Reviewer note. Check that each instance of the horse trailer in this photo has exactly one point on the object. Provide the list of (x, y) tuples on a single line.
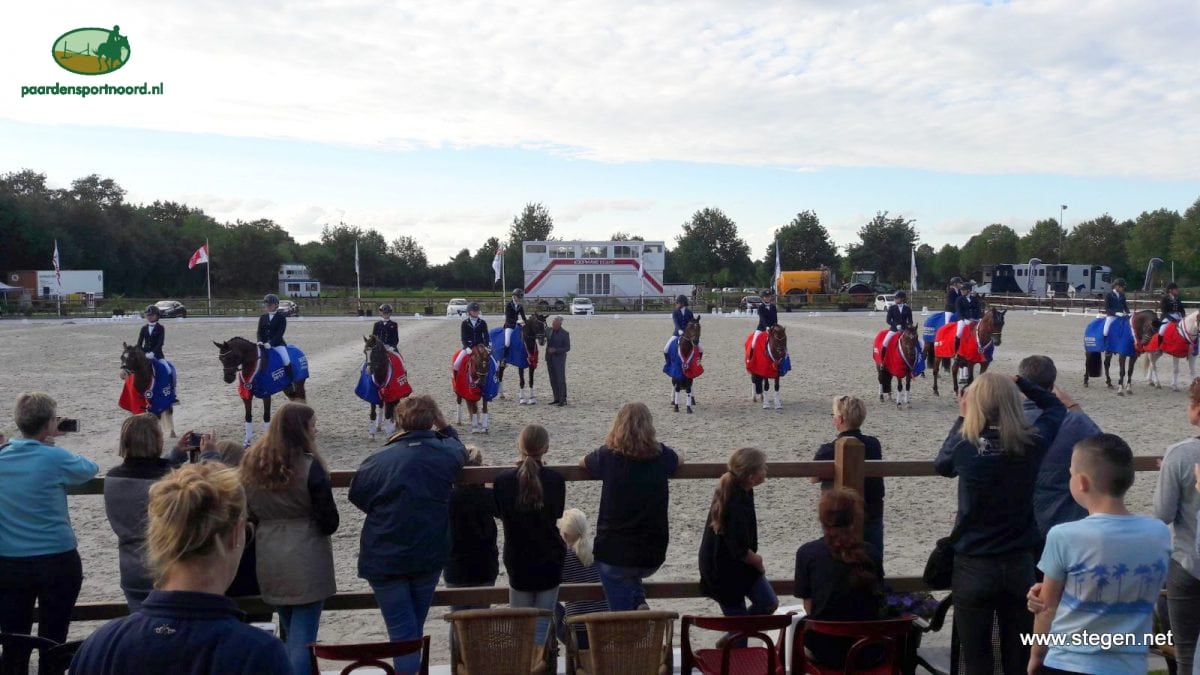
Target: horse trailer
[(1040, 280), (622, 269)]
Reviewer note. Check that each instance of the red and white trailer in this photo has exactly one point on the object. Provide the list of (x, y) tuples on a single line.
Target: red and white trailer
[(555, 269)]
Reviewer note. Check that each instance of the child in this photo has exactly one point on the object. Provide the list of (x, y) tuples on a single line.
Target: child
[(578, 568), (1085, 563), (529, 501), (385, 330), (512, 311), (473, 552), (271, 327), (151, 338), (680, 317), (899, 317), (731, 569), (474, 329)]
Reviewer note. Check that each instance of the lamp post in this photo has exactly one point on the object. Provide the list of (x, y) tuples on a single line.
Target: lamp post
[(1031, 264), (1062, 239)]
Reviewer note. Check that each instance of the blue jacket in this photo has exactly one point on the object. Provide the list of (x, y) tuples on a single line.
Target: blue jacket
[(152, 343), (1052, 500), (33, 497), (681, 317), (404, 490), (182, 633), (768, 315), (272, 328), (1114, 302)]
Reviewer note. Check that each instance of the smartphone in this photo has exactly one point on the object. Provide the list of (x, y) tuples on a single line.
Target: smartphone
[(194, 440), (68, 425)]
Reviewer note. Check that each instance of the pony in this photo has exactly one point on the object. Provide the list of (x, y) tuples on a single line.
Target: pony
[(109, 53), (1127, 338), (242, 361), (767, 359), (975, 348), (521, 353), (900, 360), (382, 383), (474, 381), (1178, 341), (683, 363), (149, 387)]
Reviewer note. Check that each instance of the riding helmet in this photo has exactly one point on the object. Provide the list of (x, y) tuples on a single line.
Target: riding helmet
[(768, 292), (1172, 286), (152, 309), (1118, 282), (955, 280), (901, 294), (385, 308), (681, 300), (518, 293), (270, 299), (473, 307)]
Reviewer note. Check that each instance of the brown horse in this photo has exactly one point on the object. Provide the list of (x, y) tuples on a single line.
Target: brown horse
[(134, 363), (986, 333), (240, 359), (469, 383), (533, 334), (378, 362), (904, 349), (687, 345), (776, 351), (1144, 325)]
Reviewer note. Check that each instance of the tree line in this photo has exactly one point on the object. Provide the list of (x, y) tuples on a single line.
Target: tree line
[(142, 248)]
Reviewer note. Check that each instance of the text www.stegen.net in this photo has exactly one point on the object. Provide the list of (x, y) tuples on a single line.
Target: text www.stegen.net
[(144, 89), (1101, 640)]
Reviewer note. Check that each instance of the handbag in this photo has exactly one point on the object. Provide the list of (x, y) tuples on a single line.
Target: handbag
[(939, 569)]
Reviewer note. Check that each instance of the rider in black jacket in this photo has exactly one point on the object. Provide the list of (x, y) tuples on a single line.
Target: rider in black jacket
[(899, 317), (385, 330), (952, 296), (474, 328), (1114, 303), (1172, 307)]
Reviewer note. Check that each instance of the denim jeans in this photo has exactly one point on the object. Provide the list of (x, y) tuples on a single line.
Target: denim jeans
[(1183, 605), (623, 585), (984, 587), (455, 608), (404, 603), (762, 601), (299, 624), (540, 599), (50, 581)]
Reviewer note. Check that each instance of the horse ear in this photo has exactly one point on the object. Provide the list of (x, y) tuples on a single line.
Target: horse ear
[(365, 339), (219, 345), (124, 344)]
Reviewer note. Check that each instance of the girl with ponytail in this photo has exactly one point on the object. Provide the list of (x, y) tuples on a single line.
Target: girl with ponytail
[(529, 499), (731, 570), (839, 577)]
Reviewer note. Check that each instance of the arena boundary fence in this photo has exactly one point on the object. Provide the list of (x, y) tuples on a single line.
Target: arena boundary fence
[(848, 469)]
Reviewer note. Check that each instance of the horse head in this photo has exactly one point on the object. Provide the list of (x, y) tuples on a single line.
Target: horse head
[(777, 341), (1191, 325), (235, 354), (479, 362), (535, 328), (133, 361), (1145, 326), (991, 326), (692, 330), (907, 340), (376, 357)]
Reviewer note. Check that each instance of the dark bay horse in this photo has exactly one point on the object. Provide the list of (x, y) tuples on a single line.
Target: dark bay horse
[(685, 363), (897, 361), (1143, 326), (135, 364), (764, 363), (240, 359), (470, 383), (533, 335), (971, 351), (378, 361)]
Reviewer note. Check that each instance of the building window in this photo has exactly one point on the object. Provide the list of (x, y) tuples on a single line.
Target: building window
[(562, 252), (625, 251), (314, 288), (293, 288), (1085, 272), (594, 284), (595, 251), (535, 248), (652, 248)]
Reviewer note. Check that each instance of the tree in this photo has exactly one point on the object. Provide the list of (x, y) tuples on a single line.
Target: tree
[(1043, 241), (926, 279), (709, 245), (884, 246), (621, 235), (102, 191), (1185, 244), (409, 260), (533, 224), (1100, 241), (945, 266), (1149, 238), (804, 244), (996, 243), (249, 258)]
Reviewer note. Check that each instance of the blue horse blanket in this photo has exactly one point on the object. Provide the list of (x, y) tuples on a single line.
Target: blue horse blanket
[(935, 321), (1120, 337), (157, 399), (273, 378), (515, 355), (676, 368)]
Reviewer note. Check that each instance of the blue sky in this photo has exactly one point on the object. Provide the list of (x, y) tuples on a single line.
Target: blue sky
[(440, 120)]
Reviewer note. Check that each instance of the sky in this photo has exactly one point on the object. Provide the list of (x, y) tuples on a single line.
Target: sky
[(441, 120)]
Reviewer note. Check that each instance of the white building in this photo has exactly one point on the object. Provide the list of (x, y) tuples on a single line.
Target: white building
[(554, 269), (295, 281), (45, 283)]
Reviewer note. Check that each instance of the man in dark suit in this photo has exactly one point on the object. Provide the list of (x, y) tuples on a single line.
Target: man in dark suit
[(271, 327), (558, 343)]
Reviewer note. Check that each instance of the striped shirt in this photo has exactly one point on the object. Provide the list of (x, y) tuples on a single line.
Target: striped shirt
[(574, 572)]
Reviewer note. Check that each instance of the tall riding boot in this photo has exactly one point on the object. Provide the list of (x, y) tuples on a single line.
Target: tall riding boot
[(290, 373)]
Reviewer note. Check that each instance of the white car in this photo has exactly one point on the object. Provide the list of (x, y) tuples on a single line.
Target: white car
[(456, 307), (883, 302), (582, 306)]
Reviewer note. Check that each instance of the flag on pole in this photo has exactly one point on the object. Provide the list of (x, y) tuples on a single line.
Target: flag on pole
[(912, 273), (356, 257), (57, 270), (778, 267), (200, 257), (498, 261)]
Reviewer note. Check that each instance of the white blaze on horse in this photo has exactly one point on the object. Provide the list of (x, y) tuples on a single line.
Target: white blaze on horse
[(521, 353), (1178, 341), (473, 379), (683, 355), (901, 359), (260, 373), (149, 387), (767, 359), (383, 382), (973, 349)]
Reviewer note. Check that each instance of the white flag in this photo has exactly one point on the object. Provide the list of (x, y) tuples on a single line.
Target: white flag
[(200, 257), (356, 258), (912, 273), (498, 261), (57, 270), (778, 267)]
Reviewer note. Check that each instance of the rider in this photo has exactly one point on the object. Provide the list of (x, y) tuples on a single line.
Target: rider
[(385, 330), (271, 327), (151, 337), (512, 310), (1114, 302), (681, 316), (1172, 307), (952, 296), (768, 314), (474, 332), (899, 317), (968, 309)]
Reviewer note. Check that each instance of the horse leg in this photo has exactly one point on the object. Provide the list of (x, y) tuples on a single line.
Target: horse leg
[(460, 409), (690, 401), (778, 401), (485, 417), (755, 388), (1175, 374), (500, 379), (1107, 363), (373, 427), (675, 394), (249, 422), (168, 421), (885, 382), (266, 414), (908, 391), (532, 396)]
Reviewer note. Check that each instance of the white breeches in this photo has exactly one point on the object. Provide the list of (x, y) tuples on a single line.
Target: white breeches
[(887, 339), (1108, 320), (962, 323), (947, 315), (462, 356), (282, 351), (508, 336)]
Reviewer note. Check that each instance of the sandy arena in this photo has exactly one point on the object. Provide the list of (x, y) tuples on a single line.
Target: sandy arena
[(613, 360)]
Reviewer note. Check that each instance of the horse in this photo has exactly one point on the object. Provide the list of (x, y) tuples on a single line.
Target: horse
[(1126, 338), (149, 387), (974, 348), (683, 363), (1178, 341), (767, 359), (474, 381), (901, 360), (522, 354), (383, 383), (110, 52), (241, 360)]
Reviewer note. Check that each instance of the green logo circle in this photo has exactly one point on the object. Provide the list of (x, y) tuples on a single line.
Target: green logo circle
[(91, 51)]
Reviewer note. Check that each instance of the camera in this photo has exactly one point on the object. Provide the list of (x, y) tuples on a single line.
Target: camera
[(68, 425)]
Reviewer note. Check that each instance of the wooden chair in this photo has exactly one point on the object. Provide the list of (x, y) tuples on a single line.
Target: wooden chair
[(890, 634), (370, 655), (730, 659), (15, 649), (500, 641), (640, 641)]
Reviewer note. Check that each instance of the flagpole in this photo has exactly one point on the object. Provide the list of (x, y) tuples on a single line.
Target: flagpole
[(503, 278), (642, 279), (208, 274), (357, 275), (58, 275)]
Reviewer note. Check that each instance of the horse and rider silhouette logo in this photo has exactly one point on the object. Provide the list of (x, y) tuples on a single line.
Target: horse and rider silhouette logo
[(92, 51)]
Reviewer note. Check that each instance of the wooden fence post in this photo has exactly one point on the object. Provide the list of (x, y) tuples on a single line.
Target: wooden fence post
[(849, 463)]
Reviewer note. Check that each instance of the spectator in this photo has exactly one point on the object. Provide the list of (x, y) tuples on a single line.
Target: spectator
[(245, 582), (195, 533), (38, 560), (995, 455), (473, 552), (529, 501), (578, 568), (126, 493), (229, 453), (632, 532), (731, 569), (404, 490), (290, 500), (839, 576), (1052, 500), (849, 413), (558, 343), (1176, 504), (1083, 558)]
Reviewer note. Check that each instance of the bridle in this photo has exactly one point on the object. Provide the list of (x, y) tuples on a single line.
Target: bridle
[(778, 338)]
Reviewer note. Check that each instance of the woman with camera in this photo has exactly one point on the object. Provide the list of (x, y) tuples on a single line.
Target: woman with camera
[(38, 560)]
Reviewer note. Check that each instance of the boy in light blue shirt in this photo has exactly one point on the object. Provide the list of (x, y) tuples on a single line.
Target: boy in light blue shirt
[(1102, 574)]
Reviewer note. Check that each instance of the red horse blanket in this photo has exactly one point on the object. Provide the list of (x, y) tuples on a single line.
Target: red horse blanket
[(968, 346), (759, 360), (1173, 341), (466, 385), (892, 360), (396, 387)]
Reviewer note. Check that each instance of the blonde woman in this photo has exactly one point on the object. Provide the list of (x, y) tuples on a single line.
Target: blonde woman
[(849, 413), (579, 567), (196, 530), (995, 454), (731, 570), (632, 532), (290, 498)]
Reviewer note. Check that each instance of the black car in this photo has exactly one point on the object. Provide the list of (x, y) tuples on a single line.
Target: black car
[(171, 309), (751, 302)]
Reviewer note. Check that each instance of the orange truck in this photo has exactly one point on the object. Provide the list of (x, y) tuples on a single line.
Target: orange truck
[(796, 288)]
